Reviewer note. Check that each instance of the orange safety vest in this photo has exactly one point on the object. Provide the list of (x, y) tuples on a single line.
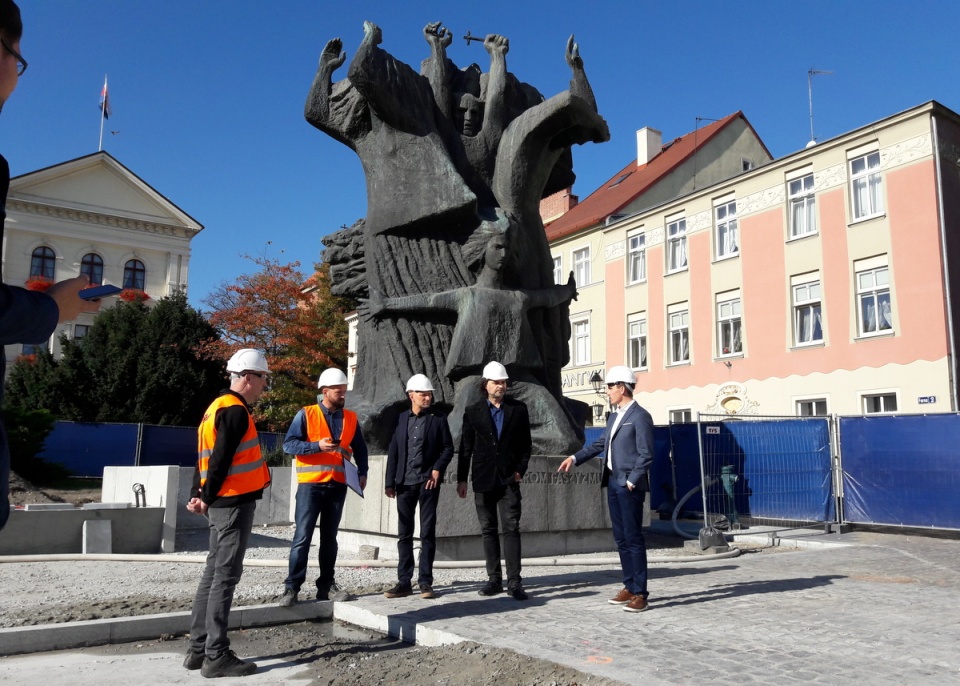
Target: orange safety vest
[(318, 468), (248, 472)]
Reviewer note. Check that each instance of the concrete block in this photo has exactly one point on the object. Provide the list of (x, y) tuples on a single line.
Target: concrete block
[(160, 488), (97, 537), (105, 506), (369, 552), (135, 530), (40, 507)]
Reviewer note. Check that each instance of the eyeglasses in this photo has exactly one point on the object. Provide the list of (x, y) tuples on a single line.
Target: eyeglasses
[(612, 385), (21, 63)]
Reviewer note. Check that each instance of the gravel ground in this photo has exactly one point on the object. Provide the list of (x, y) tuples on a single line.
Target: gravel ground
[(50, 592)]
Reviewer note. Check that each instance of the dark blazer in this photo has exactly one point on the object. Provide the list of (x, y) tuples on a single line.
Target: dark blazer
[(437, 448), (632, 449), (494, 460)]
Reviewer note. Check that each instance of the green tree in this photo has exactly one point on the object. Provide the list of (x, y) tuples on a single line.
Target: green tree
[(136, 364)]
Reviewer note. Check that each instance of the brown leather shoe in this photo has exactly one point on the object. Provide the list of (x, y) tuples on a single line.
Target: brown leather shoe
[(638, 604), (622, 598)]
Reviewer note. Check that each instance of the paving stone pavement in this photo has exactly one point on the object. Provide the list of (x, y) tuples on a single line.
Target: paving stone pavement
[(879, 609)]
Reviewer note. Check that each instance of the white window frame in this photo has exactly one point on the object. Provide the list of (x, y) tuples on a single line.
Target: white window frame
[(678, 342), (873, 289), (581, 266), (77, 328), (807, 298), (798, 404), (866, 186), (676, 233), (726, 230), (558, 270), (580, 341), (638, 352), (636, 258), (729, 324), (802, 206), (680, 415), (884, 398)]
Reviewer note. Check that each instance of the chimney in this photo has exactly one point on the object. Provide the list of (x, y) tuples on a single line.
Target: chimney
[(649, 144)]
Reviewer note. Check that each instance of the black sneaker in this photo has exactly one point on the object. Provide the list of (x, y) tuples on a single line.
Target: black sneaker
[(288, 598), (227, 664), (193, 660), (491, 588), (517, 593), (426, 592), (398, 591), (333, 592)]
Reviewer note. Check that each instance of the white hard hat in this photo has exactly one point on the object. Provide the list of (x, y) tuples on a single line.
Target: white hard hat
[(621, 374), (248, 360), (332, 377), (419, 382), (494, 371)]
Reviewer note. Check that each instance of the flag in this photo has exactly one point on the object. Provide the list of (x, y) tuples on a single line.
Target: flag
[(105, 100)]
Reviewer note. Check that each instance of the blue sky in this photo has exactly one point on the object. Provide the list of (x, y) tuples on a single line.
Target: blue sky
[(208, 95)]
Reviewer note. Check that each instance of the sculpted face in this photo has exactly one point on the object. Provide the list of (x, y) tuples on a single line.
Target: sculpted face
[(495, 256), (469, 115)]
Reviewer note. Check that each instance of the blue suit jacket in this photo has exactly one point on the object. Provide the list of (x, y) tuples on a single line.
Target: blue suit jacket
[(437, 448), (632, 445)]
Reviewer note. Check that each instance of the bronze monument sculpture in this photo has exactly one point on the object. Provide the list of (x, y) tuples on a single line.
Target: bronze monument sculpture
[(451, 263)]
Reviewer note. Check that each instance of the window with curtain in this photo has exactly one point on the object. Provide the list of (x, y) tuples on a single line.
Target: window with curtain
[(729, 328), (43, 263), (727, 240), (803, 207), (134, 274), (581, 342), (637, 259), (581, 267), (866, 185), (679, 337), (558, 270), (873, 293), (637, 344), (683, 416), (92, 266), (807, 320), (676, 245)]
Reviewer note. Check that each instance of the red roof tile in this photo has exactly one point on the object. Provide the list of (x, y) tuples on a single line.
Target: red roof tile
[(612, 196)]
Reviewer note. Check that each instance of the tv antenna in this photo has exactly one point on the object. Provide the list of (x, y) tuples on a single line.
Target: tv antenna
[(810, 74)]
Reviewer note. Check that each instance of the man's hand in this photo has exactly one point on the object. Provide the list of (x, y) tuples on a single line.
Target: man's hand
[(496, 45), (566, 465), (462, 489), (66, 295), (197, 506), (390, 492), (326, 445), (363, 483), (630, 486), (573, 54), (434, 480), (516, 477), (332, 57)]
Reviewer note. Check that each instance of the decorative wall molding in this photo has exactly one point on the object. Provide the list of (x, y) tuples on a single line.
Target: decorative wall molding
[(905, 152), (98, 218), (761, 201), (615, 250)]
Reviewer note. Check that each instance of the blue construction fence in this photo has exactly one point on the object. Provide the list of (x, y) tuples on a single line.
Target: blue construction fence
[(891, 470), (85, 449)]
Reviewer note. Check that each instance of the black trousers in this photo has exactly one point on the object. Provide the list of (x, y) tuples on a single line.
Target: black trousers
[(408, 498), (504, 500)]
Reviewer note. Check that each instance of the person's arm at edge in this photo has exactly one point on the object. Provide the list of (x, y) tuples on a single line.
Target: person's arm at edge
[(295, 443)]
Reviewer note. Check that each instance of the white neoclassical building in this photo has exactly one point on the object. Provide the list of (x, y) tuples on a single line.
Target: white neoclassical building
[(92, 215)]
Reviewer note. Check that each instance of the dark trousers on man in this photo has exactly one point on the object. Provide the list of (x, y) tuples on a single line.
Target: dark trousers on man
[(316, 501), (626, 515), (408, 498), (229, 534), (505, 500)]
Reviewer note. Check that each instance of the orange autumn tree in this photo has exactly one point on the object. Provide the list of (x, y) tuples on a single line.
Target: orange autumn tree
[(294, 319)]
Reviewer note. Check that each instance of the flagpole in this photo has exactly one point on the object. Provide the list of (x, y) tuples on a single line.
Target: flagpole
[(103, 111)]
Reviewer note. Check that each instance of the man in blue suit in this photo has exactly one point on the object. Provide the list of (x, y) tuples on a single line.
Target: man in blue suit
[(628, 446), (419, 453)]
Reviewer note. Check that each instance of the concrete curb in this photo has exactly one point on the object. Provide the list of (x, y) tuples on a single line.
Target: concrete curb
[(406, 630), (35, 639)]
